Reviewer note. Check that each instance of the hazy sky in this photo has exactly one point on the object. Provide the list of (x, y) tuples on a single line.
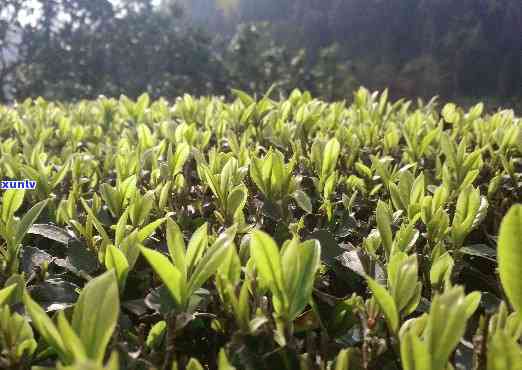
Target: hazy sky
[(29, 18)]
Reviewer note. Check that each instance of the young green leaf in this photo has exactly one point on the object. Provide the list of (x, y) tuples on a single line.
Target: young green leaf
[(45, 326), (386, 302), (149, 229), (384, 221), (96, 314), (168, 273), (213, 258), (223, 363), (156, 334), (342, 362), (510, 256), (415, 354), (6, 292), (331, 154), (176, 246), (115, 258), (236, 200), (446, 325), (28, 219), (302, 261), (11, 201), (267, 259), (194, 364), (71, 340), (197, 246)]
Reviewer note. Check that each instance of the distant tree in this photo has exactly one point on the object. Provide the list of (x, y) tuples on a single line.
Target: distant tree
[(10, 43), (81, 48)]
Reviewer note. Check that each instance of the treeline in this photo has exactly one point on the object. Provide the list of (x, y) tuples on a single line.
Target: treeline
[(76, 49), (417, 47)]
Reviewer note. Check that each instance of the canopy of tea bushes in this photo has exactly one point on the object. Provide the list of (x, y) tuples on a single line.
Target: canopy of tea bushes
[(260, 233)]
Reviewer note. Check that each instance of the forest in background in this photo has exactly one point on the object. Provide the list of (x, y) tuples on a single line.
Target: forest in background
[(75, 49)]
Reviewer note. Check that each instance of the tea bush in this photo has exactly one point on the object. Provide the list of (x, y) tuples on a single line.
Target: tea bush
[(260, 234)]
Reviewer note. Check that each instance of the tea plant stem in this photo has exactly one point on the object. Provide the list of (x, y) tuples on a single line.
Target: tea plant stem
[(171, 342), (424, 267), (479, 344), (366, 346), (286, 360), (396, 356), (289, 334), (426, 277)]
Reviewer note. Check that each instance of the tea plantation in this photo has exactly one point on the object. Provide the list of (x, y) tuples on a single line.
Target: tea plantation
[(260, 233)]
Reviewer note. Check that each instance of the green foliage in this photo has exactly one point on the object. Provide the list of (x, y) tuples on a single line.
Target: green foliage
[(260, 233), (509, 245), (13, 229), (16, 337), (192, 266), (86, 337), (292, 285), (429, 341)]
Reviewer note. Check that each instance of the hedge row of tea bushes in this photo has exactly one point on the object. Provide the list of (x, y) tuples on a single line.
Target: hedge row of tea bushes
[(260, 234)]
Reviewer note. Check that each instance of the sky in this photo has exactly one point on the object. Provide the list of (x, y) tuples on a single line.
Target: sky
[(30, 18)]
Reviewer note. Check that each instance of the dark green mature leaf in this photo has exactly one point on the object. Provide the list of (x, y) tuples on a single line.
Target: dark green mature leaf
[(330, 248), (54, 294), (81, 258), (160, 300), (480, 250), (51, 232), (303, 200), (33, 258)]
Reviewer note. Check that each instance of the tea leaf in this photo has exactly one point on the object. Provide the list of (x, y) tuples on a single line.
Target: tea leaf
[(11, 201), (267, 259), (386, 302), (27, 220), (96, 314), (510, 256), (169, 275)]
